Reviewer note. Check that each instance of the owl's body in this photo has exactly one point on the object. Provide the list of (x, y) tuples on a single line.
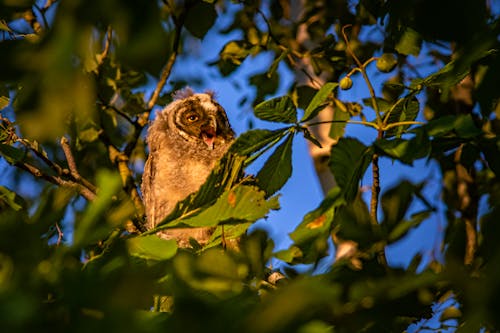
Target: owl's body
[(185, 141)]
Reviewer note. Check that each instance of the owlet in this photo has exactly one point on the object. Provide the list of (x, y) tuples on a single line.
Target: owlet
[(185, 141)]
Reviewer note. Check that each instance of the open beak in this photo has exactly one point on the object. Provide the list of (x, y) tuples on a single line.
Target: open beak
[(209, 133)]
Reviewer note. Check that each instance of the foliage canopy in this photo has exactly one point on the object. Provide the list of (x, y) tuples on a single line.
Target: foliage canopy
[(78, 83)]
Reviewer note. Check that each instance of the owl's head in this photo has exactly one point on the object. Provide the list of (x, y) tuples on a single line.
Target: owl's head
[(197, 118)]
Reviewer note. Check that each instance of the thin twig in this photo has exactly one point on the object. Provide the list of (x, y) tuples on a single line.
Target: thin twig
[(363, 72), (84, 191), (72, 166), (60, 234), (69, 158), (168, 66)]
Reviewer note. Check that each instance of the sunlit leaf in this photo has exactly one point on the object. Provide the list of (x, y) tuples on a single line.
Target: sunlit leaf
[(238, 205), (409, 42), (318, 101), (277, 169), (235, 51), (152, 247), (10, 198), (337, 128), (275, 64), (4, 97), (311, 235), (225, 173), (279, 109)]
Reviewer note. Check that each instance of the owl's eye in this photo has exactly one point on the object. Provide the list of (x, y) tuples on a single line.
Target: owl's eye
[(192, 118)]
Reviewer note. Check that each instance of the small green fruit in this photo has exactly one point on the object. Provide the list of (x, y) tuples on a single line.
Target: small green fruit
[(386, 62), (346, 83)]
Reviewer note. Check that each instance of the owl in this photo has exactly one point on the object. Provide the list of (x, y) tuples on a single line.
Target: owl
[(185, 141)]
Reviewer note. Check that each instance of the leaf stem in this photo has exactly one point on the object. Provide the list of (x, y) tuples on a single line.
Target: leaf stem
[(362, 67)]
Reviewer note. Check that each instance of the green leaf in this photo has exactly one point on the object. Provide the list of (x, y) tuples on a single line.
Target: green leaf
[(226, 172), (290, 255), (275, 64), (404, 110), (92, 226), (4, 97), (318, 102), (311, 235), (213, 271), (11, 154), (152, 247), (382, 104), (279, 109), (337, 128), (231, 231), (11, 198), (200, 18), (277, 169), (235, 52), (348, 161), (255, 140), (241, 204), (463, 127), (409, 42), (399, 230), (396, 201), (405, 151)]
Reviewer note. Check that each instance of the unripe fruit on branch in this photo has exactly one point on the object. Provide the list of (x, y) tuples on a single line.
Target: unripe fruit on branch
[(345, 83), (386, 62)]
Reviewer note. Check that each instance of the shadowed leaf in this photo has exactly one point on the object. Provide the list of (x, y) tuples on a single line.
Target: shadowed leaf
[(279, 109), (277, 169)]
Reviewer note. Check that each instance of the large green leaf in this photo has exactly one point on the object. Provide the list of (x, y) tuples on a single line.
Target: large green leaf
[(279, 109), (240, 204), (225, 173), (277, 169), (152, 247), (318, 102), (348, 161)]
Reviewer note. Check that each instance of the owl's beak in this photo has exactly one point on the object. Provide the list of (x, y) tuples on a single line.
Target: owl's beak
[(209, 133)]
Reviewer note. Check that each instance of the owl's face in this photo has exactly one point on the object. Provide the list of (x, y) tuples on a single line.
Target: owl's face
[(200, 118), (196, 118)]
